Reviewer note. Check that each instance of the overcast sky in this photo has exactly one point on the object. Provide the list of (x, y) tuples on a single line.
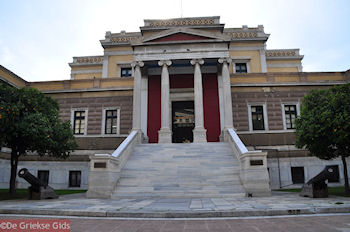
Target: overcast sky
[(38, 38)]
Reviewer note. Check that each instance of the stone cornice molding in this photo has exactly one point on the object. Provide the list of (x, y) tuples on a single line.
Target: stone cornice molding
[(137, 63), (201, 33), (165, 62), (195, 61), (12, 74)]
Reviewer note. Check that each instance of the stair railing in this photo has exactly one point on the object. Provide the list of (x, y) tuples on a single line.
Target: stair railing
[(253, 166), (105, 169)]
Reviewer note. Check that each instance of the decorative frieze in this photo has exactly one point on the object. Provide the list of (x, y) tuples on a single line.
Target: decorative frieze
[(280, 53), (241, 35), (283, 54), (88, 59), (123, 39), (181, 22)]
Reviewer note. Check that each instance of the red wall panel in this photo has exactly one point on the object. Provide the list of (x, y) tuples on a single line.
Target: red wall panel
[(211, 107), (181, 81), (153, 112)]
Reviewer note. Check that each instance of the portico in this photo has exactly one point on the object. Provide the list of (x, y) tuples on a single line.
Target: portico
[(172, 80)]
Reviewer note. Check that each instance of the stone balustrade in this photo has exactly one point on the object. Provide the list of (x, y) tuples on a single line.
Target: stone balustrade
[(105, 169), (253, 167)]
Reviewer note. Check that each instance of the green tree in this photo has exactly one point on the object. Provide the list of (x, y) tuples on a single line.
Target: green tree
[(29, 122), (323, 127)]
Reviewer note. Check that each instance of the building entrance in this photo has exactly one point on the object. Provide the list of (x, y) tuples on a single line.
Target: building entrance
[(182, 121)]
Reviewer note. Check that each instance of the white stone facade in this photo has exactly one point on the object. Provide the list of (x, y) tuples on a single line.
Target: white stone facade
[(58, 173), (280, 170)]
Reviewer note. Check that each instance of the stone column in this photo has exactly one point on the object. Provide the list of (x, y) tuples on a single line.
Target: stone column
[(199, 132), (164, 134), (136, 122), (228, 119)]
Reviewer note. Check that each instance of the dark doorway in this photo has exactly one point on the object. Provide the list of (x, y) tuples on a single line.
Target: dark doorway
[(182, 121)]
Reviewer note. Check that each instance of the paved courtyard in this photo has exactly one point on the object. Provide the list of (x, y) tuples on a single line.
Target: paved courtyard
[(279, 203)]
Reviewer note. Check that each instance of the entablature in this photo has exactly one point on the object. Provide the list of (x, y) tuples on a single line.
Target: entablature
[(181, 51)]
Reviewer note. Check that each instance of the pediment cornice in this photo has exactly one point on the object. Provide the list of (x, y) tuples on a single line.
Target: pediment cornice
[(215, 37)]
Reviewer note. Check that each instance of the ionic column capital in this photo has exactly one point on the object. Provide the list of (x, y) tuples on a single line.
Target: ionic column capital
[(225, 60), (195, 61), (165, 62), (137, 63)]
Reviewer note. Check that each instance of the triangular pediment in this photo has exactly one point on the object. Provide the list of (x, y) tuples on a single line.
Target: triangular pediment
[(182, 34), (180, 37)]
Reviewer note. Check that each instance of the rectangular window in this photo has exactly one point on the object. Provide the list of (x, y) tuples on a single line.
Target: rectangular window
[(241, 68), (126, 72), (258, 117), (43, 176), (297, 175), (290, 112), (79, 122), (111, 122), (74, 178), (335, 178)]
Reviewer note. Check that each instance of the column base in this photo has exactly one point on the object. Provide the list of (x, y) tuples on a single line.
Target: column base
[(199, 135), (164, 135)]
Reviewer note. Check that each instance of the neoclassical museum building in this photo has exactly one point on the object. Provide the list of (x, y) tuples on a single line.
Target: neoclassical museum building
[(181, 98)]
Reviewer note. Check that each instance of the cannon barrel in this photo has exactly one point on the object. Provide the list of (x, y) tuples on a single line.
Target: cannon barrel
[(38, 190), (325, 174), (34, 181)]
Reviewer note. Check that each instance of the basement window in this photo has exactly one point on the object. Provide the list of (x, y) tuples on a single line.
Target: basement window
[(298, 175), (43, 176), (334, 179), (74, 178)]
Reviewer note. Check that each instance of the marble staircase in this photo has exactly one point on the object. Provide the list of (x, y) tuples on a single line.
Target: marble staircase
[(180, 171)]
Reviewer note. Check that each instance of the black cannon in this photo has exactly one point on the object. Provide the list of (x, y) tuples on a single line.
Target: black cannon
[(38, 190), (317, 187)]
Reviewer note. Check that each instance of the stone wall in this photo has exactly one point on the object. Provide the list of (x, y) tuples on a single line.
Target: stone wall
[(95, 107), (273, 100), (99, 143), (268, 139)]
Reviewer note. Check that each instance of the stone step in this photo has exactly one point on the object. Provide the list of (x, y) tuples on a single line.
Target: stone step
[(170, 173), (176, 195), (192, 179), (177, 188)]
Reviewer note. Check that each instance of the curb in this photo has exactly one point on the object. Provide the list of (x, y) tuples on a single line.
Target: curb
[(179, 214)]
